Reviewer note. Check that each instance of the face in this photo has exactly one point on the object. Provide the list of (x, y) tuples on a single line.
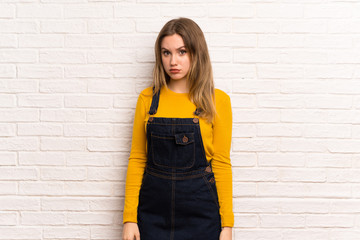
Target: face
[(175, 57)]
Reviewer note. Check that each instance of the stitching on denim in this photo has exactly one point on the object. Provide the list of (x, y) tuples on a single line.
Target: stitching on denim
[(211, 191)]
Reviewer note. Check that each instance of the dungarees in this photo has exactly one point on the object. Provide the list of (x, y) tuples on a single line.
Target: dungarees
[(178, 198)]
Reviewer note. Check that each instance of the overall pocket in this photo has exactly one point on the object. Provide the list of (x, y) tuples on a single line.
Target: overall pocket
[(209, 180), (174, 151)]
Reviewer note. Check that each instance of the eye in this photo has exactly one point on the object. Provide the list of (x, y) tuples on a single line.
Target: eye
[(182, 52), (166, 53)]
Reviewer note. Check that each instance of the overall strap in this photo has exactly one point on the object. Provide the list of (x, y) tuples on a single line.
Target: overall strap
[(155, 102)]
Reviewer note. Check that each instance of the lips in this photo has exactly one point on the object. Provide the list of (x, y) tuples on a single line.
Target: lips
[(174, 70)]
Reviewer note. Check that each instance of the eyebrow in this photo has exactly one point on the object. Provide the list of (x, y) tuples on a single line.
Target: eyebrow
[(177, 48)]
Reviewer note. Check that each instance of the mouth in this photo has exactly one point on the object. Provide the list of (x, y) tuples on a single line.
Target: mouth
[(174, 70)]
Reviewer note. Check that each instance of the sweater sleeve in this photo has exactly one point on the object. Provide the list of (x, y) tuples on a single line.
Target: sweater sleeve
[(222, 131), (136, 165)]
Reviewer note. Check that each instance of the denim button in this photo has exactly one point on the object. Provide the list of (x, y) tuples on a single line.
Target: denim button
[(195, 120), (185, 139), (151, 119), (208, 169)]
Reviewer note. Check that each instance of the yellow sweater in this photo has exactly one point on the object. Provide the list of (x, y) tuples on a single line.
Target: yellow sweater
[(216, 139)]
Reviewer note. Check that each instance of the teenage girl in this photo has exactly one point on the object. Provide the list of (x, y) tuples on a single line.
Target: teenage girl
[(179, 178)]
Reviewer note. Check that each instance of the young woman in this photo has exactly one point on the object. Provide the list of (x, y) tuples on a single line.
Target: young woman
[(180, 145)]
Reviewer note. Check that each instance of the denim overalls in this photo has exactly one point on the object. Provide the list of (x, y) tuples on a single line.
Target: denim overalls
[(178, 198)]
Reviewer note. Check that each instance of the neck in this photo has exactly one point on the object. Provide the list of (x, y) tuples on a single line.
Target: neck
[(179, 86)]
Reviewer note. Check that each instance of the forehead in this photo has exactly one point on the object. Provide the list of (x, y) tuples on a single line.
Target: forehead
[(174, 41)]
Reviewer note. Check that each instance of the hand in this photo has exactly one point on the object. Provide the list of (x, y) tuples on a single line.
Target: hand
[(131, 231), (226, 233)]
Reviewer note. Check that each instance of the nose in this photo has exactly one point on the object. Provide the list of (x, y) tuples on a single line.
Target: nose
[(173, 60)]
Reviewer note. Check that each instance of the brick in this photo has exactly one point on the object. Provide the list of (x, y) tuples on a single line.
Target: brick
[(88, 159), (90, 218), (89, 10), (20, 233), (105, 233), (41, 158), (8, 158), (136, 11), (7, 71), (332, 10), (281, 221), (243, 159), (40, 100), (255, 56), (106, 174), (8, 188), (280, 130), (19, 143), (64, 204), (112, 56), (8, 40), (63, 115), (280, 41), (105, 145), (111, 26), (106, 204), (40, 71), (257, 234), (231, 10), (19, 203), (254, 175), (7, 100), (280, 101), (112, 116), (67, 26), (18, 56), (88, 41), (19, 115), (302, 175), (303, 190), (63, 174), (88, 130), (8, 219), (122, 86), (283, 71), (88, 101), (68, 232), (17, 86), (304, 26), (41, 188), (63, 86), (244, 189), (65, 144), (236, 40), (39, 129), (39, 11), (273, 10), (88, 71), (7, 130), (64, 56), (18, 26), (254, 115), (256, 86), (41, 41), (42, 218), (281, 159), (333, 220), (88, 188)]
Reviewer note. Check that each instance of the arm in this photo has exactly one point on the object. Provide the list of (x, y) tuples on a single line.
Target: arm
[(136, 165), (222, 133)]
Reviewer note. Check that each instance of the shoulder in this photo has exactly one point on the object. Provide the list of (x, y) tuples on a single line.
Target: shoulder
[(146, 94), (221, 97)]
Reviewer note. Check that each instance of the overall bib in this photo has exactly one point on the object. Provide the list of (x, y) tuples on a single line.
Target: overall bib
[(178, 198)]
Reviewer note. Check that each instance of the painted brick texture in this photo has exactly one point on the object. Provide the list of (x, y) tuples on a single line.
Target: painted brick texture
[(70, 74)]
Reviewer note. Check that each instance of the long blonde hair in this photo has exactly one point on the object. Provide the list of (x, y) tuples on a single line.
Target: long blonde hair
[(200, 76)]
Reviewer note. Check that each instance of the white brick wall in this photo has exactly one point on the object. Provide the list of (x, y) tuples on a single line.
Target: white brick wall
[(70, 74)]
